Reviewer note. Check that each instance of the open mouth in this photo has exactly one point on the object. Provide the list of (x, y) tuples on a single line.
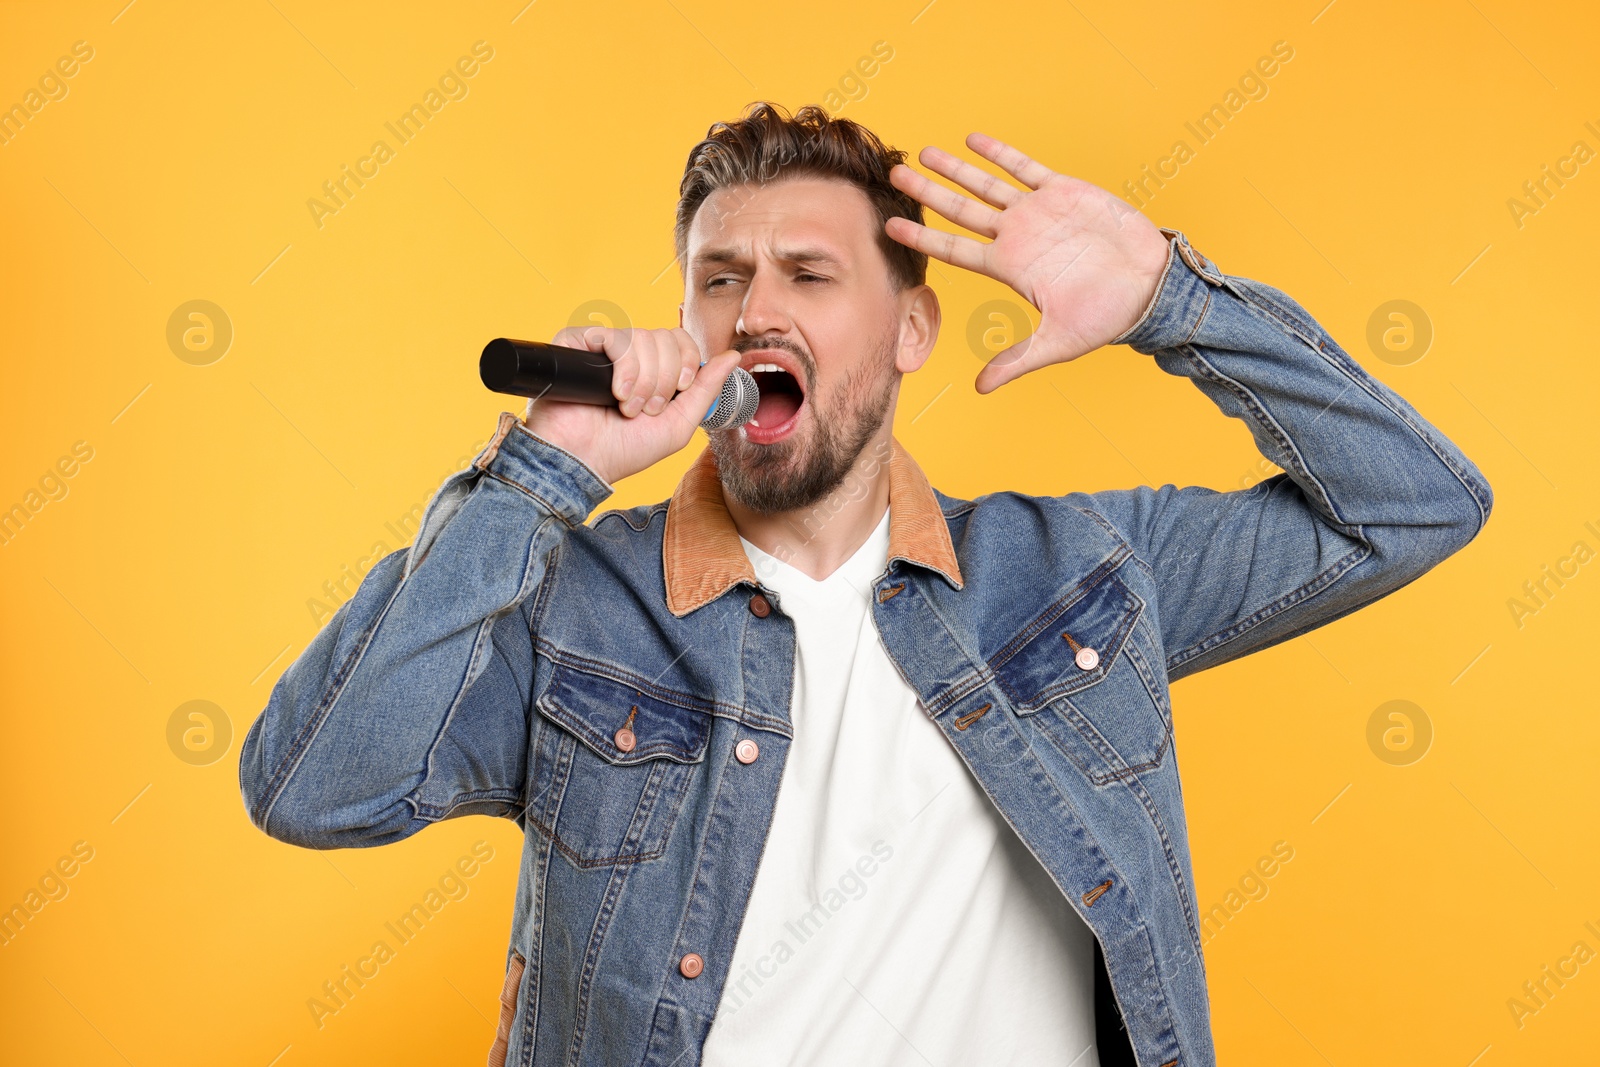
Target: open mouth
[(779, 407)]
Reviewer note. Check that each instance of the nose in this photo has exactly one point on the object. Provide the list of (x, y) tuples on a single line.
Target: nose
[(763, 311)]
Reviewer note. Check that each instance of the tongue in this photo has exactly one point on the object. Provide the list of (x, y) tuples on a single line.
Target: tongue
[(776, 407)]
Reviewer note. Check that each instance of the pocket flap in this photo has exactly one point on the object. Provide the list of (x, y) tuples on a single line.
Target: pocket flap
[(596, 708), (1042, 662)]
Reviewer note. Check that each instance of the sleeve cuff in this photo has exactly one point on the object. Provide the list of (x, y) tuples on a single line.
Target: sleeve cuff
[(1180, 301), (566, 484)]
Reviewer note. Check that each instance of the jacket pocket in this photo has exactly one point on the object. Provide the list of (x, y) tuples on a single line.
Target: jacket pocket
[(510, 993), (1079, 673), (611, 764)]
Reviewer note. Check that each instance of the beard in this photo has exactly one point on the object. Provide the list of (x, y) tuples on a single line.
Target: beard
[(813, 461)]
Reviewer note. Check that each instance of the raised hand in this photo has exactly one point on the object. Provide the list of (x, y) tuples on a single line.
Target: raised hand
[(1083, 257), (649, 424)]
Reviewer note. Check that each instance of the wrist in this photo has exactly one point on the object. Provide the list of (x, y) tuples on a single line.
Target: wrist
[(561, 478)]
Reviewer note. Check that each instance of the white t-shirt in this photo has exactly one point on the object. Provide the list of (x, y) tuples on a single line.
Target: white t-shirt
[(896, 919)]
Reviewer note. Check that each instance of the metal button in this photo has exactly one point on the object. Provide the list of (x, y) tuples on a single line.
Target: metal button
[(760, 606), (691, 965), (624, 740), (1087, 658), (746, 751)]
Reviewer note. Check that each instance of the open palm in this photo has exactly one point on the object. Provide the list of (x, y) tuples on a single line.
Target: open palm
[(1085, 259)]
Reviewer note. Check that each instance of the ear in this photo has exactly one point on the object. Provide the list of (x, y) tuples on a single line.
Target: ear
[(919, 328), (680, 316)]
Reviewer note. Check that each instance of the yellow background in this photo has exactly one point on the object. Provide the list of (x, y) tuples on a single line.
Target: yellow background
[(221, 497)]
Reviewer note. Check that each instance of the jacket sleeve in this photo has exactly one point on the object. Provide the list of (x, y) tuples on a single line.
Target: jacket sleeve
[(1372, 496), (411, 705)]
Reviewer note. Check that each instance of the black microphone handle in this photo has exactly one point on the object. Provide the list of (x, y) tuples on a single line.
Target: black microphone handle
[(549, 372)]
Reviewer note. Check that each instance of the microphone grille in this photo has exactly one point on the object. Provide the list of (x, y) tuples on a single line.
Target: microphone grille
[(736, 405)]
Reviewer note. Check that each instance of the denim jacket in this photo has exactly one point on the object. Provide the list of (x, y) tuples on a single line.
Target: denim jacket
[(592, 681)]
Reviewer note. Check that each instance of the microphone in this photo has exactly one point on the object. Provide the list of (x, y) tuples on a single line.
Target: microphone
[(552, 372)]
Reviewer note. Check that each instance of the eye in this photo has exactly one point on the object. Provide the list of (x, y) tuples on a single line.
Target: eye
[(810, 277), (713, 283)]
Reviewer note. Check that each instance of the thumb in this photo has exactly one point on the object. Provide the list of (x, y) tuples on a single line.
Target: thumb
[(690, 405), (1041, 348)]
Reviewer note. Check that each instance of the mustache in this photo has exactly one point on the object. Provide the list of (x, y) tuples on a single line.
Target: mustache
[(807, 364)]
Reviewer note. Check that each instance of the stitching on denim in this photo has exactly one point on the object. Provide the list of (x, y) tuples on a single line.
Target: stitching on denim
[(555, 511), (1317, 584), (1153, 810), (518, 426), (1354, 370), (1313, 334), (279, 780), (957, 691), (1105, 752), (619, 876), (1159, 693), (1199, 319), (1050, 614), (532, 578), (1075, 683), (603, 669), (1269, 425), (541, 595), (540, 891), (587, 863), (1104, 523), (591, 959), (573, 722), (623, 513), (440, 812), (1161, 285)]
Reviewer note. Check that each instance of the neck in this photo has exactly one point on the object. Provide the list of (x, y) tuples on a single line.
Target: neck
[(815, 540)]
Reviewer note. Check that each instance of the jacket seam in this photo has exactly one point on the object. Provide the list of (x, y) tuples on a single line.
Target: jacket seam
[(686, 701), (278, 782), (554, 511), (1327, 577), (1324, 344)]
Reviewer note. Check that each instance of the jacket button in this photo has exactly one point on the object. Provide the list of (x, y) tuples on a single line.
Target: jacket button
[(760, 606), (746, 751), (691, 965), (624, 740), (1087, 659)]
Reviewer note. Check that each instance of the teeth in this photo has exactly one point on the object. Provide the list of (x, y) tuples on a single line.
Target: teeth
[(754, 423), (764, 367)]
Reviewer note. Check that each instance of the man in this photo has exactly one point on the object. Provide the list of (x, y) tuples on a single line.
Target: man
[(816, 764)]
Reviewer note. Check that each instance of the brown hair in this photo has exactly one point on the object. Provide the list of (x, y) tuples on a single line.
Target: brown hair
[(766, 144)]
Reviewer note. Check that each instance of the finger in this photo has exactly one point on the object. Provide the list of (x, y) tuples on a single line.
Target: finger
[(692, 360), (959, 209), (689, 407), (1027, 171), (945, 247), (668, 365), (570, 337), (1040, 349), (633, 369), (978, 182)]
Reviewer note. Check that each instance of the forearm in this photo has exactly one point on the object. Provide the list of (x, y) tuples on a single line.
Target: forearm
[(1372, 496), (411, 703), (1362, 455)]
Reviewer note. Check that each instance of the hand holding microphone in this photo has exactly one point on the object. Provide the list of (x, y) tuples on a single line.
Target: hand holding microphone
[(616, 410)]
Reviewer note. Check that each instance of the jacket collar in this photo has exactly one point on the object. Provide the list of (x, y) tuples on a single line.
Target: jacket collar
[(702, 557)]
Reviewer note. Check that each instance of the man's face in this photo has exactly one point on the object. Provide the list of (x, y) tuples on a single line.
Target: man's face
[(790, 275)]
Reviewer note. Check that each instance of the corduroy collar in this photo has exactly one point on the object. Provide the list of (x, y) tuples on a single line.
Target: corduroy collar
[(702, 557)]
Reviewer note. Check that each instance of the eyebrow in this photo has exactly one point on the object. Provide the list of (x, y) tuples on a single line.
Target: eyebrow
[(728, 254)]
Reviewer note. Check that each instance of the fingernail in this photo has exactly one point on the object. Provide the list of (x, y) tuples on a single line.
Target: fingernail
[(654, 405)]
